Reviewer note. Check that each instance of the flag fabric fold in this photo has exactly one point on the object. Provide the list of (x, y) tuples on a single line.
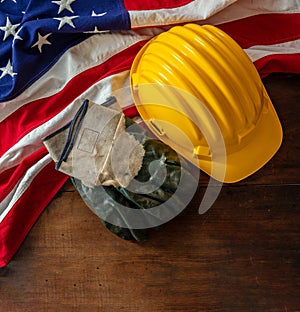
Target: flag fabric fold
[(54, 54)]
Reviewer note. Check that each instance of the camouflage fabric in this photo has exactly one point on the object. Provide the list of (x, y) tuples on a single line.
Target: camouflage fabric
[(102, 200)]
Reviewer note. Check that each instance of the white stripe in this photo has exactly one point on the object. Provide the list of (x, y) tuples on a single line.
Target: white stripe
[(23, 184), (193, 11), (246, 8), (260, 51), (90, 53), (117, 85), (212, 12)]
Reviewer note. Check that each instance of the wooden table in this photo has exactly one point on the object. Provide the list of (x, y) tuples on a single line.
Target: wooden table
[(242, 255)]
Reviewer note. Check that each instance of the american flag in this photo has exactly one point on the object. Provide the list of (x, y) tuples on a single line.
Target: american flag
[(53, 54)]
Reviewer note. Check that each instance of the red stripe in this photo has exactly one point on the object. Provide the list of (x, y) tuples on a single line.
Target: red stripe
[(154, 4), (20, 219), (264, 29), (280, 63), (34, 114), (11, 177), (131, 111)]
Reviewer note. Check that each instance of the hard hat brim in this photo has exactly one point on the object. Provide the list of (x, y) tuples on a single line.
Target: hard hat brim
[(226, 166), (254, 155), (259, 150)]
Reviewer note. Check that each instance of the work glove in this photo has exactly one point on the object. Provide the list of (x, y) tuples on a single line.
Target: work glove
[(150, 199)]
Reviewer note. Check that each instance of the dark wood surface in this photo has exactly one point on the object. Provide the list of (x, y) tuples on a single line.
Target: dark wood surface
[(242, 255)]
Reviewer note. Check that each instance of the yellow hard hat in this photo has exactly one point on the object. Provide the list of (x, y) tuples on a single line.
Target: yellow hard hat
[(198, 91)]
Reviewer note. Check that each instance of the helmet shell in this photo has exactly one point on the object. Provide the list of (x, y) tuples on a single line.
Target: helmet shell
[(198, 91)]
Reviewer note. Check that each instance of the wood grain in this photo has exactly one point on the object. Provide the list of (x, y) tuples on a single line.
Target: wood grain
[(242, 255)]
